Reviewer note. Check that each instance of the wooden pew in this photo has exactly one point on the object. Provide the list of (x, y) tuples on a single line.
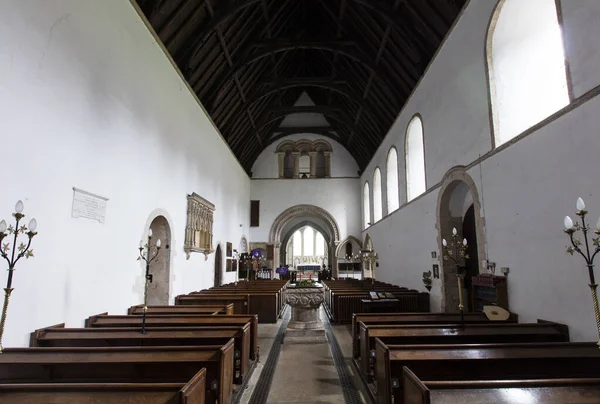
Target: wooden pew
[(122, 365), (58, 336), (416, 318), (580, 391), (241, 302), (264, 304), (192, 392), (454, 334), (180, 320), (482, 362), (199, 309)]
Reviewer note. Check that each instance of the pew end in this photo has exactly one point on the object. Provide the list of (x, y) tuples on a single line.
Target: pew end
[(90, 320), (415, 391), (385, 384), (194, 391), (33, 337)]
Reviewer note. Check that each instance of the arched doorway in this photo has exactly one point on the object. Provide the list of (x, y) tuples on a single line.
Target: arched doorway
[(291, 217), (218, 266), (346, 253), (158, 291), (459, 208)]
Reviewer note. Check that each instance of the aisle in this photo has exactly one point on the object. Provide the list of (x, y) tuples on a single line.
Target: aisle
[(303, 373)]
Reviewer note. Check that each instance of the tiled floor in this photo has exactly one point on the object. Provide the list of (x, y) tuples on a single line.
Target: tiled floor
[(305, 373)]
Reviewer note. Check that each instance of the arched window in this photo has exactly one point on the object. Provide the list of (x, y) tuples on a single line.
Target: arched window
[(297, 244), (309, 241), (366, 205), (319, 245), (377, 204), (304, 166), (415, 159), (391, 181), (526, 65)]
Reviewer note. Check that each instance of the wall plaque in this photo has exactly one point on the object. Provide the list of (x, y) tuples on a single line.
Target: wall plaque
[(88, 205)]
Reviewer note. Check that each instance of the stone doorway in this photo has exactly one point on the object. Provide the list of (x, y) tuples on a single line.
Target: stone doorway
[(158, 290), (459, 207), (218, 267)]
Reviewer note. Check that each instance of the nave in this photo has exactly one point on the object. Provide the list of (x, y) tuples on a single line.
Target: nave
[(216, 346)]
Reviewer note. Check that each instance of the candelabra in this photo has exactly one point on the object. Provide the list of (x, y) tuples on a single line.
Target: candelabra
[(236, 257), (24, 251), (148, 258), (588, 255), (370, 258), (455, 251)]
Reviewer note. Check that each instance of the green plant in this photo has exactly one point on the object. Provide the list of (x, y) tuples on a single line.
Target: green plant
[(305, 282)]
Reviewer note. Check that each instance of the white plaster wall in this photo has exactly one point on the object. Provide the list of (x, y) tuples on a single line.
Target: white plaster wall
[(526, 188), (581, 30), (88, 99), (342, 162), (338, 196)]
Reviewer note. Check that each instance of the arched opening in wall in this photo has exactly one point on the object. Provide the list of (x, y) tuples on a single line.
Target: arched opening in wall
[(377, 203), (218, 266), (158, 292), (458, 207), (321, 165), (415, 159), (323, 227), (348, 264), (526, 66), (366, 205), (288, 165), (304, 166)]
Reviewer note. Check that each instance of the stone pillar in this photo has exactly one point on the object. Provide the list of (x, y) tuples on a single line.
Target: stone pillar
[(276, 259), (296, 158), (281, 163), (313, 164), (327, 164)]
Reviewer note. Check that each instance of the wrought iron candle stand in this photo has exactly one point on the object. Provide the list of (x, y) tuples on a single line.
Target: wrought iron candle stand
[(236, 257), (370, 258), (588, 255), (148, 258), (455, 251), (6, 249)]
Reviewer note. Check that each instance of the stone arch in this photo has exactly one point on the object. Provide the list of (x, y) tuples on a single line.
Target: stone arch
[(339, 250), (289, 233), (306, 212), (456, 189), (160, 268), (286, 146)]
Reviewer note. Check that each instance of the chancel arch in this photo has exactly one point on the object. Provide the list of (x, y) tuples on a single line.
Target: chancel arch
[(297, 217), (160, 268), (526, 66), (459, 207), (306, 243)]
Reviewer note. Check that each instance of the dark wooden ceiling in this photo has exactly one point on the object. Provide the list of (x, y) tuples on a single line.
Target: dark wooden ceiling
[(250, 60)]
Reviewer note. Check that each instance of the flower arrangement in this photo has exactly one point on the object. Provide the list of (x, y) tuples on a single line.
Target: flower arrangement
[(305, 282)]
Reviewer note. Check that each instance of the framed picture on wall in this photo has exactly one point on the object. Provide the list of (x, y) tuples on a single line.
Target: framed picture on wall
[(229, 250), (229, 264)]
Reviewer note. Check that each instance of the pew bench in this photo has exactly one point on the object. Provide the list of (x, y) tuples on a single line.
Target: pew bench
[(192, 392), (544, 391), (197, 309), (453, 334), (184, 320), (481, 362), (58, 336), (267, 305), (122, 365), (415, 318)]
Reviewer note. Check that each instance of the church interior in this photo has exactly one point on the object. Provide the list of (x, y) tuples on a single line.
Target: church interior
[(300, 201)]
